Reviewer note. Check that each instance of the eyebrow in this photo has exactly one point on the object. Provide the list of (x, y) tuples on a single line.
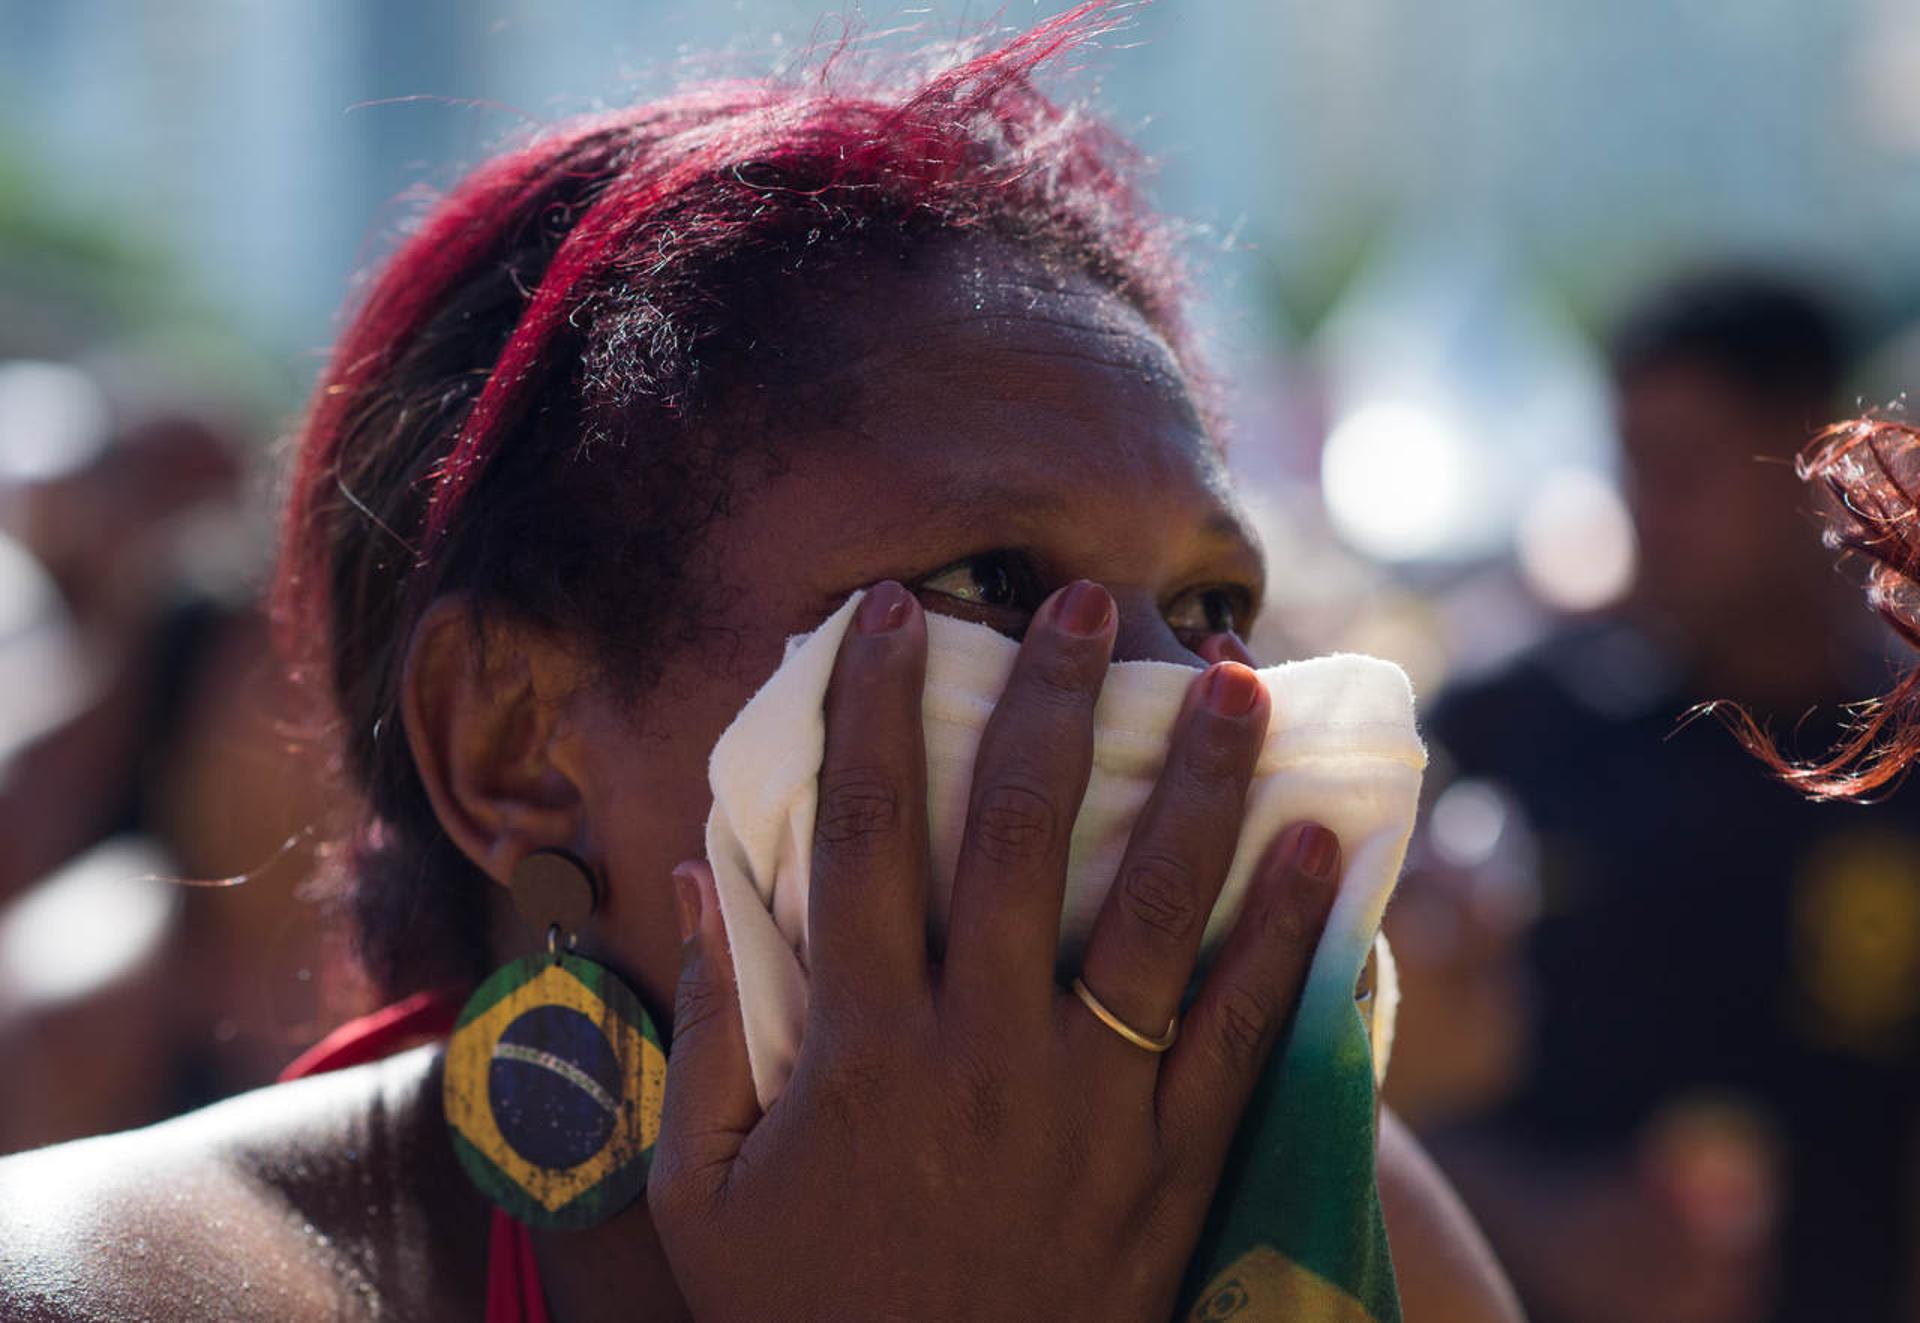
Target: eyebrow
[(1230, 527)]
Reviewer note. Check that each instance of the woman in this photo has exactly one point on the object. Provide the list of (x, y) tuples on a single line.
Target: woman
[(638, 402)]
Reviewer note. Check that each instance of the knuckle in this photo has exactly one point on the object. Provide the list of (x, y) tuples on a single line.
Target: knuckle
[(663, 1195), (859, 806), (1185, 1184), (1240, 1029), (1073, 1148), (854, 1083), (1015, 823), (931, 1177), (695, 1002), (1215, 759), (1057, 678), (980, 1095), (1287, 921), (1159, 892), (1162, 1221), (671, 1197)]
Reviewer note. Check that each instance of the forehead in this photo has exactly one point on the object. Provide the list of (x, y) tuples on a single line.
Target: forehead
[(983, 368), (960, 406)]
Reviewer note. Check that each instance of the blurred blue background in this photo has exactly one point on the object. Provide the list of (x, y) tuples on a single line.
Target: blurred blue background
[(252, 147)]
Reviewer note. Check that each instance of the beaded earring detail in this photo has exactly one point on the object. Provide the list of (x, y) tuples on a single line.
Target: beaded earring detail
[(555, 1073)]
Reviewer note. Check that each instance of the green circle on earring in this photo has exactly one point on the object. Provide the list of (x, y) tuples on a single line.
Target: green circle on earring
[(554, 1081)]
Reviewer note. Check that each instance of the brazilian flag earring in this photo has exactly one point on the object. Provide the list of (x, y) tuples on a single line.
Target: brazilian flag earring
[(555, 1073)]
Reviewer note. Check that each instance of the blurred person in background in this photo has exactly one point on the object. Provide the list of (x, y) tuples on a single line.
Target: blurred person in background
[(113, 506), (1720, 1100), (143, 742), (1458, 925)]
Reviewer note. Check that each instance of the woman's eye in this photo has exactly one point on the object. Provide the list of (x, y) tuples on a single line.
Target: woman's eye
[(1004, 588), (998, 588), (1208, 611)]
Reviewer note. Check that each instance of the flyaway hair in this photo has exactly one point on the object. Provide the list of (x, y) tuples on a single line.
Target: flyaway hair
[(1868, 471)]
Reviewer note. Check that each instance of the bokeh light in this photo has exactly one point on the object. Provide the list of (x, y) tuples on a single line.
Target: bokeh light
[(1396, 480), (1575, 543)]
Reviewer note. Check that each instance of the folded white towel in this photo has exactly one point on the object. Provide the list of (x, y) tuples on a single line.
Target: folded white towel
[(1341, 750)]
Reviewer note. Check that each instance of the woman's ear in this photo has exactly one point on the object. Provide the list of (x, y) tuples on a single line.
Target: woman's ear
[(485, 712)]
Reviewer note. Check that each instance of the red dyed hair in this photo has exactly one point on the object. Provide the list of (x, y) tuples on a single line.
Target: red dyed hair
[(516, 412), (1870, 470)]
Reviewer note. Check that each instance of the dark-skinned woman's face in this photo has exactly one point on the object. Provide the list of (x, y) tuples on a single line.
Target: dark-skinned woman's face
[(1006, 429)]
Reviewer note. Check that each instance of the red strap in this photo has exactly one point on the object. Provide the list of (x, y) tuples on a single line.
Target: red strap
[(421, 1018), (514, 1294)]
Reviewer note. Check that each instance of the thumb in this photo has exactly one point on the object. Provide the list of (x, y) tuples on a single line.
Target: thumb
[(710, 1103)]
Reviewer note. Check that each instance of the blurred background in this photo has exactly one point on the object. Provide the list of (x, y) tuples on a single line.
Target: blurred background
[(1525, 306)]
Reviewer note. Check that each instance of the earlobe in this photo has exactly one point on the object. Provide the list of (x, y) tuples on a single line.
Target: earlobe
[(483, 709)]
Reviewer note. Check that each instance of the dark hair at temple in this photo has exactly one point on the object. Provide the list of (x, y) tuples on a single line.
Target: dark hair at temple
[(521, 411), (1761, 332)]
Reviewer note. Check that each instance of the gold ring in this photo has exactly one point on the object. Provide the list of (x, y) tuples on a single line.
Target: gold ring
[(1121, 1027)]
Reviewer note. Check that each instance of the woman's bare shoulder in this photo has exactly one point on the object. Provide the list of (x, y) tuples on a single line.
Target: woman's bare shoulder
[(1446, 1269), (331, 1198)]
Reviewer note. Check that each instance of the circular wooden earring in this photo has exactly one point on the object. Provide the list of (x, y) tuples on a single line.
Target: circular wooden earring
[(555, 1073)]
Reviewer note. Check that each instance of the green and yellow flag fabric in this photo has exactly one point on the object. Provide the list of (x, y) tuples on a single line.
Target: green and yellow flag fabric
[(1296, 1233)]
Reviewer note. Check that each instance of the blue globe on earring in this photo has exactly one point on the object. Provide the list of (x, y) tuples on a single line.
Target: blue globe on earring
[(553, 1086), (554, 1123)]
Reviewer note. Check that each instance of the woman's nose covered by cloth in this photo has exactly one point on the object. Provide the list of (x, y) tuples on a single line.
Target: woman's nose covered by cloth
[(1224, 647), (1142, 633), (1340, 750)]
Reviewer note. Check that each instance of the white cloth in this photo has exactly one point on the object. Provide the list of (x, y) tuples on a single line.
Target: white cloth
[(1341, 750)]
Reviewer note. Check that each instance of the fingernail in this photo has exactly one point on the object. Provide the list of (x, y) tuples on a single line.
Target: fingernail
[(1316, 851), (1231, 690), (687, 895), (884, 608), (1085, 609)]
